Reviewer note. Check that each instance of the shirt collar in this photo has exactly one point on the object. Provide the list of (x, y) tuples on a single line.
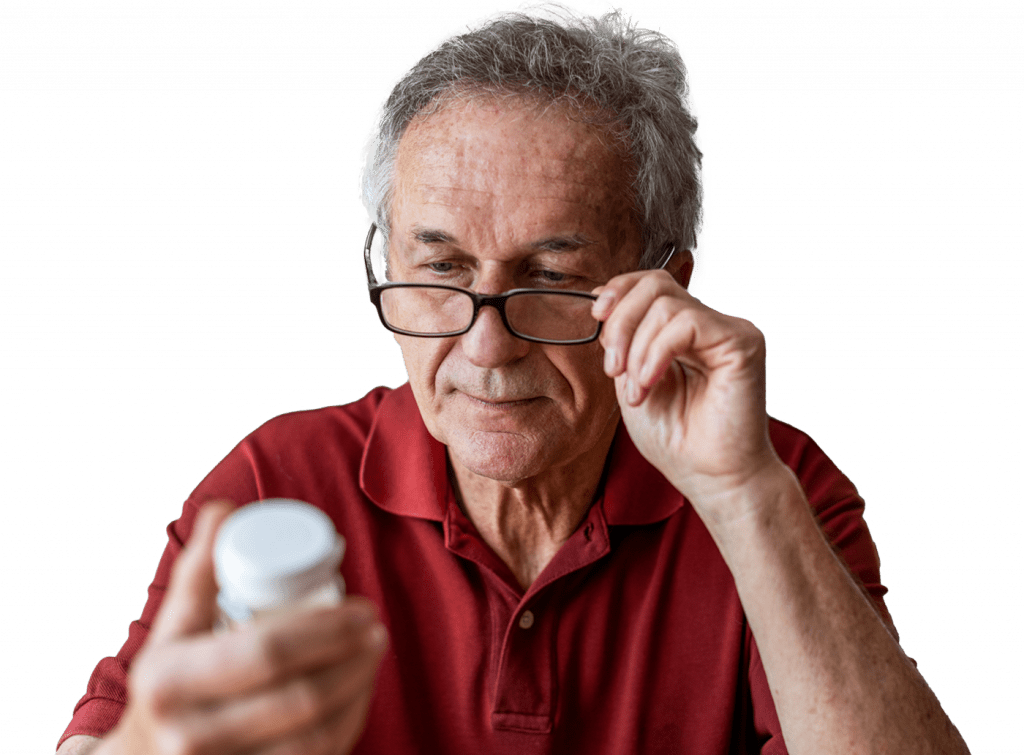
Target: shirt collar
[(405, 470)]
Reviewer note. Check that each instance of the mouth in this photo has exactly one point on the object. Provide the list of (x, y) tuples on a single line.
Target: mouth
[(502, 402)]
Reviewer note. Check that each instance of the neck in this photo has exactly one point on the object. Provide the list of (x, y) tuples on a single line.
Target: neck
[(525, 522)]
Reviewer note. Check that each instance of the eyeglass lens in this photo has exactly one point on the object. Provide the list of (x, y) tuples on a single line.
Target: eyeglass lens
[(438, 311)]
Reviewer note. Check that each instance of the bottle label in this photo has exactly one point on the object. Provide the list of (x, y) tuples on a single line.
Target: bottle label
[(330, 594)]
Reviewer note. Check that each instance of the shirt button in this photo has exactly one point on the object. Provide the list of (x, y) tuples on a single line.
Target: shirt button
[(526, 620)]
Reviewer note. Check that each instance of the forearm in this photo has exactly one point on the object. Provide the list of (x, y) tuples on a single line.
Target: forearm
[(839, 680)]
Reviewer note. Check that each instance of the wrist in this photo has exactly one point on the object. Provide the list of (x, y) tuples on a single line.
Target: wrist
[(754, 508)]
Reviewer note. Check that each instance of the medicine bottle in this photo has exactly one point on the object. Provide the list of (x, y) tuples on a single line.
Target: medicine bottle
[(276, 555)]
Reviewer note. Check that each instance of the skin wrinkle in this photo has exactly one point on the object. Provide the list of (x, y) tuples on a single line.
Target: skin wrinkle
[(604, 127), (494, 185)]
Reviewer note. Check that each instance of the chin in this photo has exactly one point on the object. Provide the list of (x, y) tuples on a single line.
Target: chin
[(504, 457)]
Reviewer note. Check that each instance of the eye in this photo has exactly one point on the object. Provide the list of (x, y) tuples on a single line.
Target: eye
[(542, 277), (440, 267), (552, 276)]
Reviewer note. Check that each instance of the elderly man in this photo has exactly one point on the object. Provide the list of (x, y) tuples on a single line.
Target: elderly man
[(575, 529)]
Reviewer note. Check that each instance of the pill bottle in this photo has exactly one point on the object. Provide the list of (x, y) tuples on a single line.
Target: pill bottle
[(276, 555)]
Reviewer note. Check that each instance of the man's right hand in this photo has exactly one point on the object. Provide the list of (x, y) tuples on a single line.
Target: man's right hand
[(296, 683)]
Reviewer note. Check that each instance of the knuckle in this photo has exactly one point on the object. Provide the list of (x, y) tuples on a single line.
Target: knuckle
[(619, 284), (759, 343), (663, 277), (661, 282), (224, 651), (149, 685), (304, 701), (271, 651), (752, 333), (160, 702), (751, 339), (665, 308), (685, 317), (650, 281), (272, 648)]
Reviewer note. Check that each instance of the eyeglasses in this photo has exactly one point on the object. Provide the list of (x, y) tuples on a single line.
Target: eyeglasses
[(435, 311), (418, 309)]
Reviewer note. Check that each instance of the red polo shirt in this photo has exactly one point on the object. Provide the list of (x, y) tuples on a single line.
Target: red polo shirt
[(631, 640)]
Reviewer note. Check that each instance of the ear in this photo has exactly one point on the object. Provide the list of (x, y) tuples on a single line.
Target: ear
[(681, 267)]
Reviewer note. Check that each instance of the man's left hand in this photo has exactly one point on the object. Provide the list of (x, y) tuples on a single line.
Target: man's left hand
[(691, 386)]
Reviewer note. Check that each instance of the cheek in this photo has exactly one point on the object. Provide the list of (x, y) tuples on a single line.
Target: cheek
[(584, 373), (422, 357)]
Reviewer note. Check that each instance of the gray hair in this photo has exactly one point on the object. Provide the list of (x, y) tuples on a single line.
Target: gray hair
[(606, 69)]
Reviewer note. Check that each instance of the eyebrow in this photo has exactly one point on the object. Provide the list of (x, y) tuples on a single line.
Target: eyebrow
[(433, 236), (555, 244), (563, 243)]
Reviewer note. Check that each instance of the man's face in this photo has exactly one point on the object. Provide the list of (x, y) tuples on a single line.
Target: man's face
[(493, 195)]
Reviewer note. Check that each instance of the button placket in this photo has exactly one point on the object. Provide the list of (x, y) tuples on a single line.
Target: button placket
[(524, 693)]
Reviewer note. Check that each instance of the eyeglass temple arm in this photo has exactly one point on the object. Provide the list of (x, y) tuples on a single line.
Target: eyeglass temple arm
[(371, 279), (664, 262)]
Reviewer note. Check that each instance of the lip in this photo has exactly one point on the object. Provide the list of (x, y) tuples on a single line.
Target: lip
[(501, 403)]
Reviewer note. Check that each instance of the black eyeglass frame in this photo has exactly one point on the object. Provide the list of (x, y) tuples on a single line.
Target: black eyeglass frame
[(497, 301), (479, 300)]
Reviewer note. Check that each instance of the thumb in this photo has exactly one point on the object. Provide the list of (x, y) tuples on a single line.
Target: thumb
[(190, 604)]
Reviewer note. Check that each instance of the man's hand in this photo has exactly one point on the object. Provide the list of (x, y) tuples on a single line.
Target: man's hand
[(285, 684), (691, 385)]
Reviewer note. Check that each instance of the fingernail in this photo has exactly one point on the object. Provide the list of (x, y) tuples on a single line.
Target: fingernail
[(603, 302), (611, 360), (376, 637), (632, 391)]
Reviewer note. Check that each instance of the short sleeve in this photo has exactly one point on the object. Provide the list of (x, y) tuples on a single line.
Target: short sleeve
[(295, 455), (106, 695)]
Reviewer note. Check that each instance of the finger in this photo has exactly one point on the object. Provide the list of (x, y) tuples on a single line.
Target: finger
[(294, 706), (697, 337), (611, 293), (661, 340), (640, 370), (190, 604), (333, 737), (632, 295), (258, 655)]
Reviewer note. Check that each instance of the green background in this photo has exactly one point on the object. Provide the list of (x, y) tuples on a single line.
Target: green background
[(177, 226)]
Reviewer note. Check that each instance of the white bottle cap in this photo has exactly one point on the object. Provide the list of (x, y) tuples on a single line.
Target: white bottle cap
[(271, 553)]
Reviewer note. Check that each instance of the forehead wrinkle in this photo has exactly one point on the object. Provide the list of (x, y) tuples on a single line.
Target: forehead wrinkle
[(439, 195), (542, 178), (501, 179), (484, 157), (553, 170)]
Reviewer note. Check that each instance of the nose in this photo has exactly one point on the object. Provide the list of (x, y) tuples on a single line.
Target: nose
[(489, 343)]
